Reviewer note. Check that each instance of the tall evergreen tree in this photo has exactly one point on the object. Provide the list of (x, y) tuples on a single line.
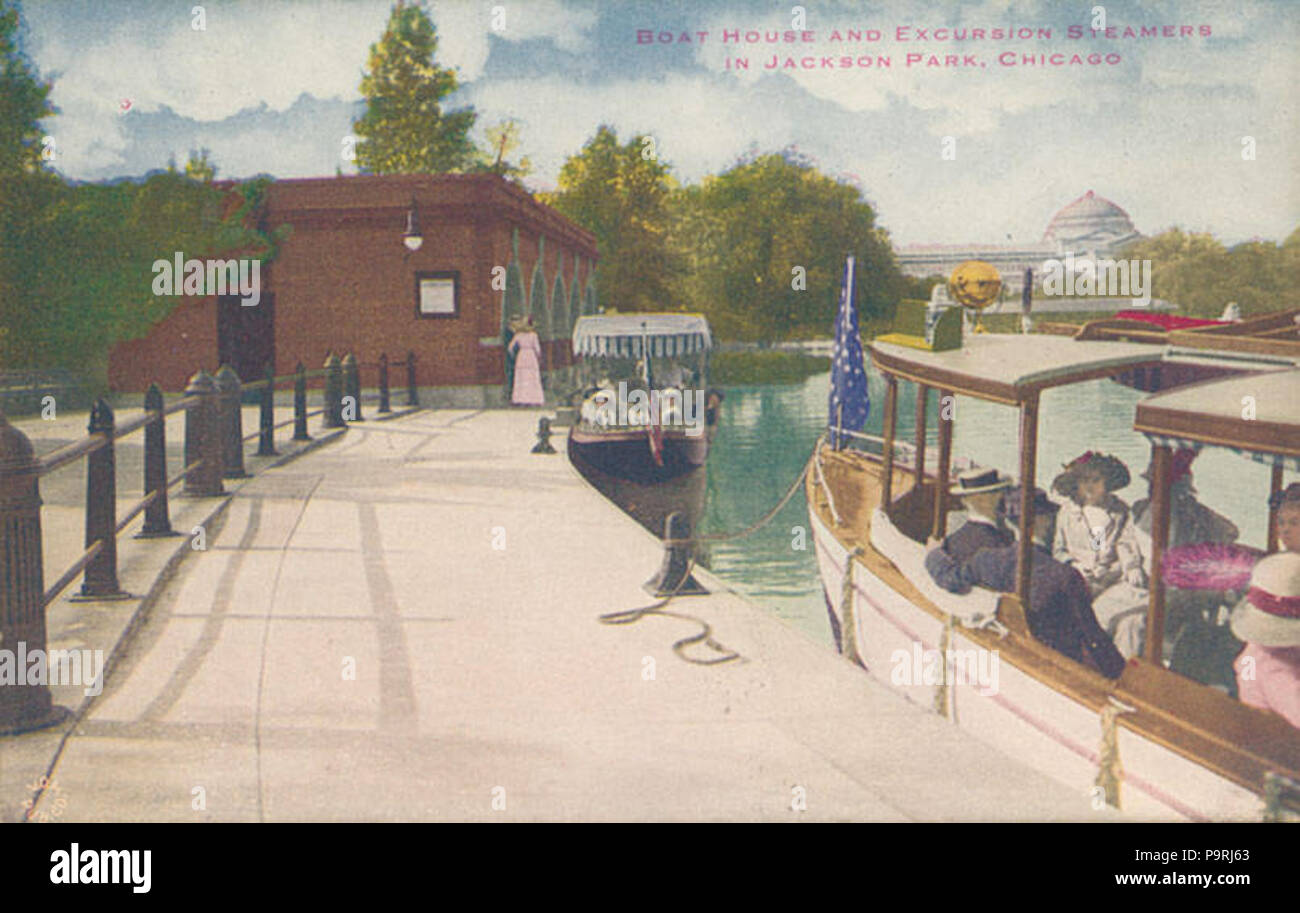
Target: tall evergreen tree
[(405, 129)]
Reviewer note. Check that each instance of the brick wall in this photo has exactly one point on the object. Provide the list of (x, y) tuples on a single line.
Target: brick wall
[(343, 280)]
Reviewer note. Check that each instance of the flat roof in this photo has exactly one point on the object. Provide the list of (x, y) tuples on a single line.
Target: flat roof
[(1219, 412), (1009, 368)]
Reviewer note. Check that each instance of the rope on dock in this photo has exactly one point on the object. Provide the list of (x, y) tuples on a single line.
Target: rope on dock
[(628, 616)]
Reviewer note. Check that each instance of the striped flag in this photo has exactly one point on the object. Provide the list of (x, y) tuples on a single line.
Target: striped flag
[(849, 403)]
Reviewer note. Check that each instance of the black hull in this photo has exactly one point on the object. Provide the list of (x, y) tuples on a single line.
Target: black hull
[(631, 458)]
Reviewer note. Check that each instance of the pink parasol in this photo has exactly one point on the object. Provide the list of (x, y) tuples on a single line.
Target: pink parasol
[(1210, 566)]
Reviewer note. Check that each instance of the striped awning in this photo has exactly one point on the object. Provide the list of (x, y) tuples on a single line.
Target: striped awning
[(1287, 462), (628, 335)]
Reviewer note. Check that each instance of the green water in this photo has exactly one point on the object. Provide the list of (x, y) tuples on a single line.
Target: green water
[(767, 432)]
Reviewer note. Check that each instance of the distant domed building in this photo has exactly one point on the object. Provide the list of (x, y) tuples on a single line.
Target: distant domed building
[(1091, 223), (1090, 226)]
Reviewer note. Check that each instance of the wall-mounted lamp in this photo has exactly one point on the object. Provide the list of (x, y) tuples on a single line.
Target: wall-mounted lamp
[(412, 237)]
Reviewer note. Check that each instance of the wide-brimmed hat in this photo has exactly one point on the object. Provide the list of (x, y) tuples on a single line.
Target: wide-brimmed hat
[(976, 481), (1043, 505), (1112, 470), (1180, 464), (1270, 613)]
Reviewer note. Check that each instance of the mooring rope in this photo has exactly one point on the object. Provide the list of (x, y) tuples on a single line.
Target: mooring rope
[(628, 616), (849, 634), (1110, 769)]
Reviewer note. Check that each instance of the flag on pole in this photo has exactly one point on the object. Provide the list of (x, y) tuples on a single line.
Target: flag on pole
[(849, 404)]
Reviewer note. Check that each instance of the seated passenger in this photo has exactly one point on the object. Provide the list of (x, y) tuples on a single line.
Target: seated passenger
[(1268, 620), (1287, 504), (980, 491), (1201, 646), (1190, 521), (1094, 533), (1059, 613)]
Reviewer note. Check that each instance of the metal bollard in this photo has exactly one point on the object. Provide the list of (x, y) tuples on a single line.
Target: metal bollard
[(543, 444), (100, 581), (676, 561), (352, 385), (232, 422), (300, 404), (203, 439), (412, 397), (333, 392), (266, 424), (157, 521), (22, 580), (384, 405)]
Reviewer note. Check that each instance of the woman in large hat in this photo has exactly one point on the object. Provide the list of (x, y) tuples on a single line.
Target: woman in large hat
[(1093, 531), (1268, 620), (527, 390)]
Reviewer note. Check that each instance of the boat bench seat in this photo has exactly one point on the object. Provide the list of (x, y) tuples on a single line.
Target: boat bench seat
[(973, 609)]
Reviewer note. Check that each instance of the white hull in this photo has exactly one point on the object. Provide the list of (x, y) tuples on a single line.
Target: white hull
[(1026, 718)]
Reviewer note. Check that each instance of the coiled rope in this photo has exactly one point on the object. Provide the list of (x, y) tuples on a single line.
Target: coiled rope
[(629, 616)]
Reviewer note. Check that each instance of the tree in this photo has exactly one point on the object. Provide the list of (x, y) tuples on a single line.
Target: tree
[(405, 129), (621, 194), (199, 168), (1200, 275), (24, 101), (769, 238), (503, 139)]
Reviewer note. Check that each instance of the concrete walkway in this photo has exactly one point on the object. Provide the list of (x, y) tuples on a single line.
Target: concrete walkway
[(402, 626)]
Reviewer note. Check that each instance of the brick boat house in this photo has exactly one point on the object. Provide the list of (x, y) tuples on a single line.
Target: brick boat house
[(344, 280)]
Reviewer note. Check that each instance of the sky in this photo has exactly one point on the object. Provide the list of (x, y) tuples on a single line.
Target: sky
[(1197, 130)]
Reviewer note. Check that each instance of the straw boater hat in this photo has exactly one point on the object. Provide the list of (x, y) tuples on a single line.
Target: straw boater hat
[(1270, 613), (975, 481)]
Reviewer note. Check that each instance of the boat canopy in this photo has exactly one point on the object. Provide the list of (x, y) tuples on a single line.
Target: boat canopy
[(1253, 414), (1011, 368), (626, 335)]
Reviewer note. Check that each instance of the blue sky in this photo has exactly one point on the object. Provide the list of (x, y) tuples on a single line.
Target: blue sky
[(273, 86)]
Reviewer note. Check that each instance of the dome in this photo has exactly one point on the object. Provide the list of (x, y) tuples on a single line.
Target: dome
[(1090, 221)]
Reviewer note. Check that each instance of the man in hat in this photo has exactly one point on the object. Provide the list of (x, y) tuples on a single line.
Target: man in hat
[(1060, 607), (980, 491), (1268, 620)]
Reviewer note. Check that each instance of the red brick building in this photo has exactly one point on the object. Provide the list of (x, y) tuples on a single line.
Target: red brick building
[(344, 281)]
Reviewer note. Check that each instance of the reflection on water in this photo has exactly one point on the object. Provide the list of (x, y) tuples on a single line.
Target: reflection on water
[(766, 433)]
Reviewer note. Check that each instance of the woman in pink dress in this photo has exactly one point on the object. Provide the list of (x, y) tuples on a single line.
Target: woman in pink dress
[(527, 350)]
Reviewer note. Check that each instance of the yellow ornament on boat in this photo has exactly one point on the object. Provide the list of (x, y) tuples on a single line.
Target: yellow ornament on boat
[(975, 284)]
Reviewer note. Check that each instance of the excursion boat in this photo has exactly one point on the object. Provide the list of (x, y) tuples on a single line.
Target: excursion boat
[(647, 413), (1152, 742)]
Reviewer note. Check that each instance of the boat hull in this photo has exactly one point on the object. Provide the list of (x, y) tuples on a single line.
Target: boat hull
[(1039, 711), (627, 454)]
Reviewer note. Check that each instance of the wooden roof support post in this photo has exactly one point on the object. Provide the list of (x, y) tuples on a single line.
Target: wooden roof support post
[(1161, 457), (891, 416), (1275, 485), (947, 414), (922, 396), (1028, 462)]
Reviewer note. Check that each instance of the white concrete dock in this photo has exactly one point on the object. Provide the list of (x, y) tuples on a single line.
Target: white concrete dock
[(402, 625)]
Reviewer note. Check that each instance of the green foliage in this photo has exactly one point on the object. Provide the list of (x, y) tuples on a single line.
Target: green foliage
[(621, 193), (80, 261), (503, 140), (752, 235), (1199, 274), (24, 101), (198, 168), (765, 367), (405, 129)]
